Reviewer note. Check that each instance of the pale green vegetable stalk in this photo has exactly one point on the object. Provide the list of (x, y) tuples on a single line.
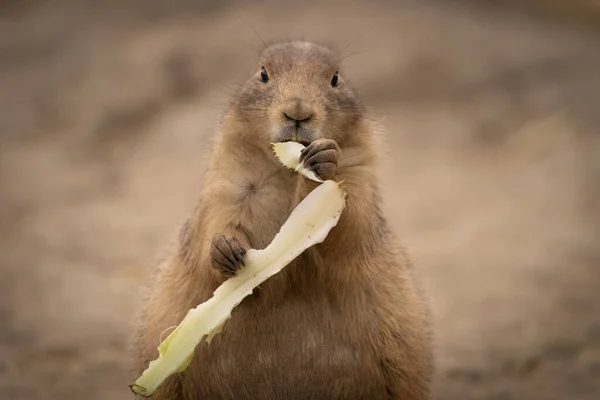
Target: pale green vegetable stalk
[(308, 224), (289, 155)]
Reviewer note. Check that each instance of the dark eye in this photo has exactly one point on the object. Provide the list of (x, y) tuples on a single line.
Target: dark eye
[(264, 77), (334, 80)]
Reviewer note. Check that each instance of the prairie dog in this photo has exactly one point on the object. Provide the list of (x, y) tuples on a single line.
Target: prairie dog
[(345, 320)]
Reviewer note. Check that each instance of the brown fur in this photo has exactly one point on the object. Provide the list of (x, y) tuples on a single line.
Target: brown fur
[(345, 320)]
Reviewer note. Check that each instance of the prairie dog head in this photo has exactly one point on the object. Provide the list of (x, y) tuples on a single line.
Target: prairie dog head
[(298, 93)]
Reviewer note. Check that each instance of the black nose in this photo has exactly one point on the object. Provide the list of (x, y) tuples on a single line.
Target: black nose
[(298, 110)]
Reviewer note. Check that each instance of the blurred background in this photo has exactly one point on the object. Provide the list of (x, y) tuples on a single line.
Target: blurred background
[(491, 175)]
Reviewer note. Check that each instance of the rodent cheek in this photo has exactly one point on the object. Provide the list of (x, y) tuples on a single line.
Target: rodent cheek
[(276, 123), (276, 116), (318, 123), (319, 118), (336, 126)]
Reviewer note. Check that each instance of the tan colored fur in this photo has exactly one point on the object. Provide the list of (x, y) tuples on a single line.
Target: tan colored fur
[(343, 321)]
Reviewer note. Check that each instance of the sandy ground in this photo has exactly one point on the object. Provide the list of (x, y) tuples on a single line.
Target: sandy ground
[(492, 176)]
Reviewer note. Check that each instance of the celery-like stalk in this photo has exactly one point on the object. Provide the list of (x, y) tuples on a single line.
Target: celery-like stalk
[(308, 224), (289, 155)]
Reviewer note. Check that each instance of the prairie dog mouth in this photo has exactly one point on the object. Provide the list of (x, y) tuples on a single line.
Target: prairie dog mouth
[(290, 133)]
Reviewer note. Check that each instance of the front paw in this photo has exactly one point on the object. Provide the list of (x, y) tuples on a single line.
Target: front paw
[(321, 156), (227, 254)]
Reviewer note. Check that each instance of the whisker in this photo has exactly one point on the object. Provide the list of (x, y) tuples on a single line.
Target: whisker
[(256, 32), (353, 54), (356, 39)]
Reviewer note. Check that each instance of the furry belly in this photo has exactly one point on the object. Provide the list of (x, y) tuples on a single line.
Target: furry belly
[(296, 350)]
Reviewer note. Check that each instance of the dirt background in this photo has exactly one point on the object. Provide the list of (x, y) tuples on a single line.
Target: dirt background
[(492, 174)]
